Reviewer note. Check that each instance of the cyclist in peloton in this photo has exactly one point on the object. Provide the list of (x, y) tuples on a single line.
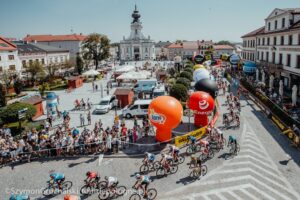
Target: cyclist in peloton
[(232, 141), (57, 178), (166, 160), (92, 176), (149, 158), (112, 182), (142, 181), (192, 140), (174, 151)]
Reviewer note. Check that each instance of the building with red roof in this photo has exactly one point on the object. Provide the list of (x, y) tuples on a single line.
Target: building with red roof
[(71, 42), (9, 60)]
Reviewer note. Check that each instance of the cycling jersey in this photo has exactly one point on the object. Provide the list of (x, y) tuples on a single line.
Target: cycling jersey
[(204, 143), (57, 176), (112, 180), (19, 197), (145, 179), (174, 149), (150, 156), (192, 139), (231, 139), (168, 157)]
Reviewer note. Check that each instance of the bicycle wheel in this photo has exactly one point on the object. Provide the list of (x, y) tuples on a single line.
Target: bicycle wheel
[(189, 150), (102, 185), (152, 193), (120, 190), (85, 190), (203, 170), (135, 197), (66, 185), (194, 174), (238, 148), (160, 172), (173, 169), (156, 165), (181, 159), (210, 154), (197, 148), (104, 194), (49, 191), (144, 169)]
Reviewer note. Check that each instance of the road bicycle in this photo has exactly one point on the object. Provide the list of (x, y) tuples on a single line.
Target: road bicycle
[(198, 171), (90, 186), (114, 191), (139, 193), (53, 189), (163, 171), (206, 154), (149, 166), (193, 148)]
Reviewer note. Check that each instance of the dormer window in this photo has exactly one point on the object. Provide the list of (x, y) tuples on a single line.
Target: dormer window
[(275, 24), (283, 22), (269, 26)]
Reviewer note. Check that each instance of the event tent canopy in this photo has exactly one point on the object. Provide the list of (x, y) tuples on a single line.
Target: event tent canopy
[(91, 72), (126, 68), (133, 75)]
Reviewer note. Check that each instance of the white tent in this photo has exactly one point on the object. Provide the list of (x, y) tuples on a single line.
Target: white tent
[(126, 68), (91, 72), (133, 75)]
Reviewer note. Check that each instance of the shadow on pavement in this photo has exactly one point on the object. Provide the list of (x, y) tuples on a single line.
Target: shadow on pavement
[(186, 180)]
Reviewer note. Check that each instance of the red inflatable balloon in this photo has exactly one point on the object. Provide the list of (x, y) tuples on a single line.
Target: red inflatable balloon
[(165, 113), (202, 104)]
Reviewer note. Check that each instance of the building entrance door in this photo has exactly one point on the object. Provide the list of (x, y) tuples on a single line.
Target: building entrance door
[(137, 57)]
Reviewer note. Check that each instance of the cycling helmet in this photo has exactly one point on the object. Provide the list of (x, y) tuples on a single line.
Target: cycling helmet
[(137, 176), (88, 173), (230, 137), (106, 178), (146, 153)]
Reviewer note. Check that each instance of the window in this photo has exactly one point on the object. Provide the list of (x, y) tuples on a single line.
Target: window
[(298, 61), (273, 57), (43, 61), (275, 40), (263, 42), (24, 63), (262, 56), (267, 57), (298, 41), (280, 58), (258, 41), (146, 49), (283, 22), (11, 57), (288, 60), (282, 40), (268, 41), (37, 60), (144, 107), (12, 67), (269, 26), (253, 43), (275, 24), (136, 32), (134, 107), (258, 55), (290, 39)]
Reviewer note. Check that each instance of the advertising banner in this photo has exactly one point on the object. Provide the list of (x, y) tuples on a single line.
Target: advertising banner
[(183, 140)]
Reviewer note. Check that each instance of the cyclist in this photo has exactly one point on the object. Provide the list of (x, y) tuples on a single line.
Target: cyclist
[(71, 197), (237, 118), (19, 197), (225, 119), (112, 182), (92, 176), (198, 163), (166, 160), (149, 158), (142, 181), (174, 151), (232, 141), (57, 178), (192, 139)]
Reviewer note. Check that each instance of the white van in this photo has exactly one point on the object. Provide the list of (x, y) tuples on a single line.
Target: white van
[(159, 91), (105, 105), (138, 108), (145, 85)]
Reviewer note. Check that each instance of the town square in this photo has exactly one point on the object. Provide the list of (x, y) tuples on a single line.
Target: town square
[(149, 100)]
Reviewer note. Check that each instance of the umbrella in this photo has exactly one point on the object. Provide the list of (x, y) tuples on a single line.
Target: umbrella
[(294, 95), (91, 72), (257, 75), (281, 88), (263, 77), (271, 82)]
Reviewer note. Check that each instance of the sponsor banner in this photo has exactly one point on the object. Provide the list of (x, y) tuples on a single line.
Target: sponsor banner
[(183, 140), (214, 119), (278, 123)]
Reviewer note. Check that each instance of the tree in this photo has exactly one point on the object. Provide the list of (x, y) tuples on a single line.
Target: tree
[(18, 86), (52, 69), (187, 75), (184, 81), (79, 64), (179, 92), (10, 112), (2, 95), (189, 70), (171, 71), (224, 42), (34, 68), (96, 47)]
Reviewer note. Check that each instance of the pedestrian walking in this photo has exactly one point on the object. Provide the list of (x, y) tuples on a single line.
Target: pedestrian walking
[(93, 85), (89, 118), (96, 87), (81, 120)]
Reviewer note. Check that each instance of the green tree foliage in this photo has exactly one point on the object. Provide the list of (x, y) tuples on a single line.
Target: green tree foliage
[(79, 64), (96, 47), (179, 92), (2, 95), (187, 75), (184, 81), (224, 42), (10, 113), (189, 70), (171, 71), (34, 69), (18, 86)]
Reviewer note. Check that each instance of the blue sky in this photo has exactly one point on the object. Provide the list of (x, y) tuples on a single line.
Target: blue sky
[(162, 19)]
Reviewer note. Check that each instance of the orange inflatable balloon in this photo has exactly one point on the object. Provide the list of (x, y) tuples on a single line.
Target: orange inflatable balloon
[(165, 113)]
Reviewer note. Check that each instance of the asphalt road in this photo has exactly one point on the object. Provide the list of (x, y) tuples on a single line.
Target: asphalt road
[(260, 162)]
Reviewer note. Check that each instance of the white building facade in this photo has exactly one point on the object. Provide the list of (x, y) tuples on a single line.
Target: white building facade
[(9, 60), (137, 46), (276, 46)]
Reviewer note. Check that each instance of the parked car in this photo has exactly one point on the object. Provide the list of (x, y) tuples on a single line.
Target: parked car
[(106, 104), (138, 108)]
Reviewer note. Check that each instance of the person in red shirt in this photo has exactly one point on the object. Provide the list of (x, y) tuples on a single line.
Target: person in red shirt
[(92, 177)]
